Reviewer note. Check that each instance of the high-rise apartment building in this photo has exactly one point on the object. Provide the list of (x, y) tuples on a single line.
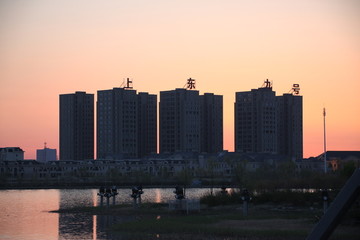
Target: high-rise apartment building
[(266, 123), (147, 123), (290, 125), (190, 122), (179, 121), (76, 126), (126, 124), (256, 121), (211, 113)]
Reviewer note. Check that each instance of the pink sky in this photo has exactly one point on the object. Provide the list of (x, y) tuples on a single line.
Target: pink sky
[(52, 47)]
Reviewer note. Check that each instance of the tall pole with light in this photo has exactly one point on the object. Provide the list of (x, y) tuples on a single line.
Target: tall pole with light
[(324, 114)]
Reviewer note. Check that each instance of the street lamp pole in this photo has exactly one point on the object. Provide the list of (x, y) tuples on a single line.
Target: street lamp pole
[(324, 114)]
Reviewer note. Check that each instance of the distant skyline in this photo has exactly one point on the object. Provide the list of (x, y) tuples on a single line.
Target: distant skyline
[(56, 47)]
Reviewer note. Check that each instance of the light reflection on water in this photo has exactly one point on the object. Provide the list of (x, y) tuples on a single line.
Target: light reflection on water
[(157, 196), (94, 227), (24, 214)]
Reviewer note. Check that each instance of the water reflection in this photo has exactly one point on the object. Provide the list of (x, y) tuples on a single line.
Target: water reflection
[(157, 196), (94, 227), (77, 226), (25, 214), (95, 198), (84, 226)]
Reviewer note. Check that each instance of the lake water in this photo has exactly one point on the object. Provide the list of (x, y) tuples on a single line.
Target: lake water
[(24, 214)]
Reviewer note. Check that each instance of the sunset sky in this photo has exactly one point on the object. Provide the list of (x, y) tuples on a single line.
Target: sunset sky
[(54, 47)]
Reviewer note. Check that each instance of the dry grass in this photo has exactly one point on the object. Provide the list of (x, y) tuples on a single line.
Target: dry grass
[(267, 224)]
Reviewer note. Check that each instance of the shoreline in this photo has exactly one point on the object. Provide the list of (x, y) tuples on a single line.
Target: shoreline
[(264, 221), (118, 187)]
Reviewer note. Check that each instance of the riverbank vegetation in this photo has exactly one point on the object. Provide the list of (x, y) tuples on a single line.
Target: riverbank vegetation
[(289, 197)]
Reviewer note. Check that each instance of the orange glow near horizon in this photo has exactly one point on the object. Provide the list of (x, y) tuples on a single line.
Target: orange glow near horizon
[(49, 48)]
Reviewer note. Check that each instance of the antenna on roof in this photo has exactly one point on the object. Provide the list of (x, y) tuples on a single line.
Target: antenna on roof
[(128, 85), (267, 84), (295, 89), (190, 84)]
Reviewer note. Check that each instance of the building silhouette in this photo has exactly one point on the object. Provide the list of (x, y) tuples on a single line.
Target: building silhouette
[(11, 154), (256, 121), (190, 122), (179, 121), (76, 126), (147, 124), (126, 123), (266, 123), (211, 123), (290, 125), (46, 154)]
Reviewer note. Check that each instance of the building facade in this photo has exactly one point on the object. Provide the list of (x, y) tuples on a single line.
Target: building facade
[(190, 122), (11, 154), (211, 123), (76, 126), (162, 168), (179, 121), (290, 125), (256, 121), (126, 124), (266, 123), (46, 154), (147, 124)]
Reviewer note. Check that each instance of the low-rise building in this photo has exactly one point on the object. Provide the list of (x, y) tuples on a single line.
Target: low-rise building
[(11, 154), (335, 161), (46, 155), (161, 168)]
